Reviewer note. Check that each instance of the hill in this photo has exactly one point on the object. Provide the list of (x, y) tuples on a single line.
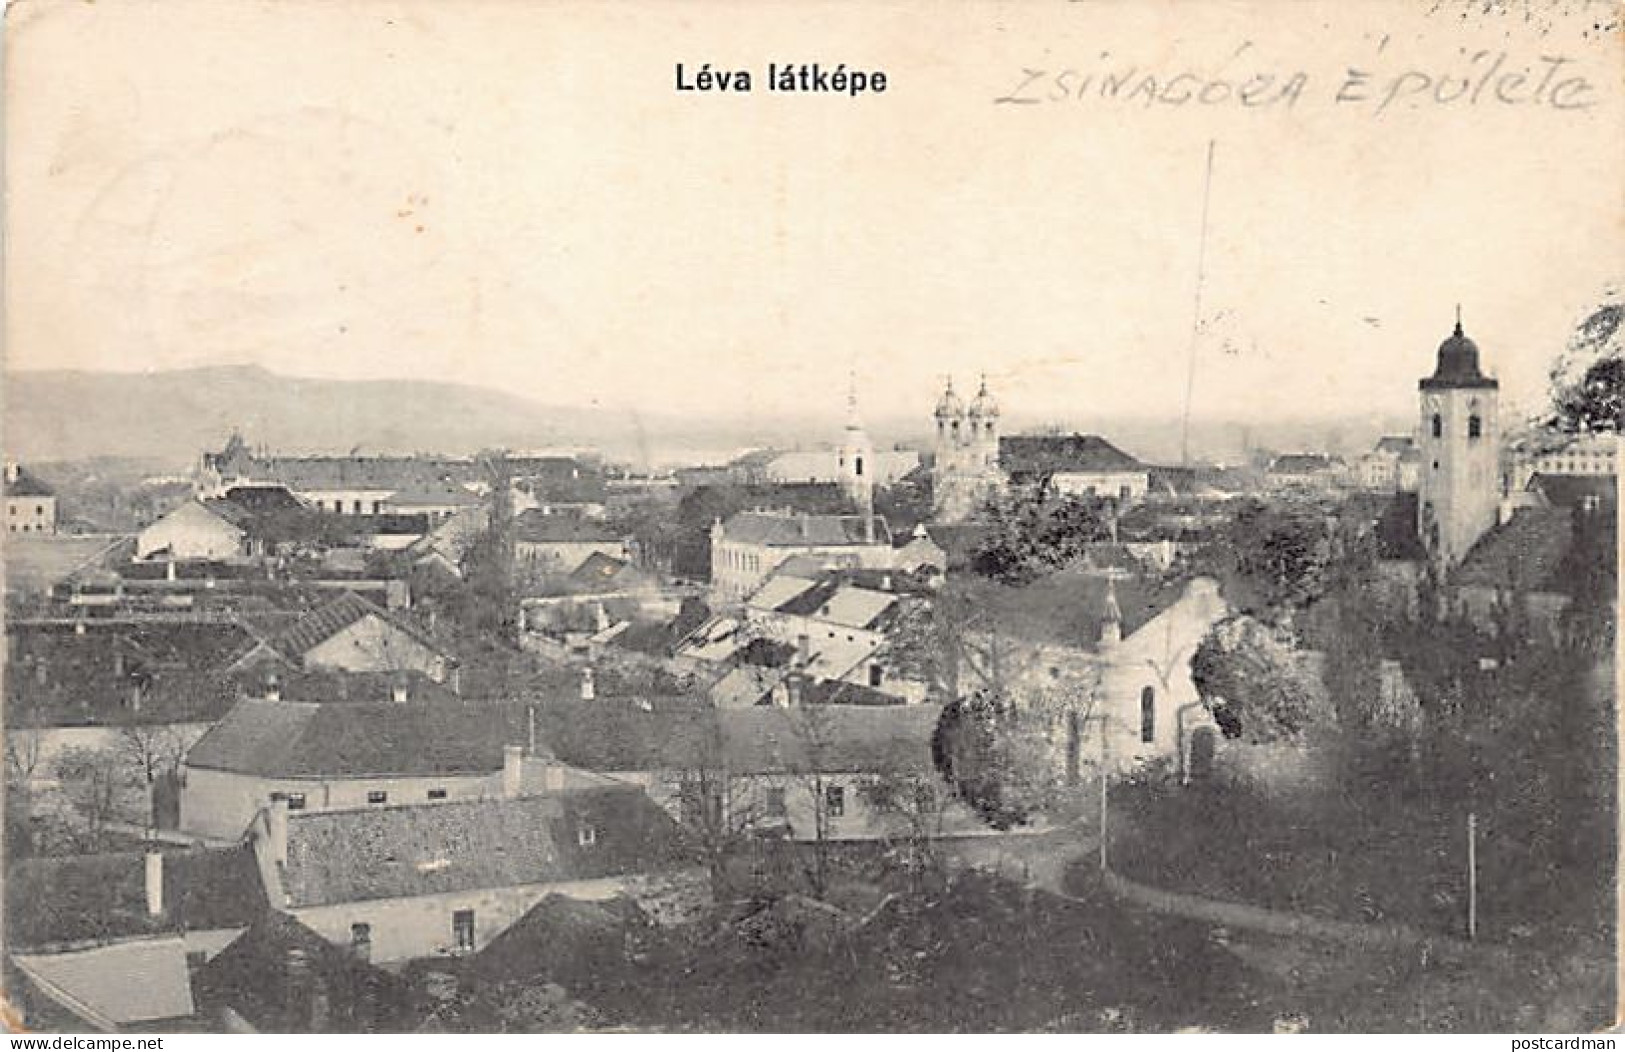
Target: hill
[(173, 416)]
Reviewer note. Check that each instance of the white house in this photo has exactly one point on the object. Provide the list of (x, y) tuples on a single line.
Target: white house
[(419, 880), (192, 531), (752, 544)]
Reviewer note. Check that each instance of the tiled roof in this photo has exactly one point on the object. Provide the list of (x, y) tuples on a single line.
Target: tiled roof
[(841, 604), (288, 739), (1396, 444), (1028, 455), (333, 687), (361, 473), (26, 485), (829, 739), (775, 529), (254, 978), (82, 898), (396, 852), (534, 527), (1525, 552), (620, 734), (433, 494), (1568, 491), (324, 623)]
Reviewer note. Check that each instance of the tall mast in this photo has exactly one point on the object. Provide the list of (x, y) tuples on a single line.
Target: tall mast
[(1196, 316)]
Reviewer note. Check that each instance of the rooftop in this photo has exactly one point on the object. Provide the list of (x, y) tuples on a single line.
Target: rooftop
[(1037, 455), (790, 530), (425, 849)]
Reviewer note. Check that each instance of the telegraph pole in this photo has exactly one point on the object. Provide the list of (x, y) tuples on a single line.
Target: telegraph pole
[(1472, 875)]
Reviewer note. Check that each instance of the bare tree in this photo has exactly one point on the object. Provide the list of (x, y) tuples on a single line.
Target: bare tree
[(153, 749), (95, 782)]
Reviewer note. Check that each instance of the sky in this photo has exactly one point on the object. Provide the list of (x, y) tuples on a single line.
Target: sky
[(516, 196)]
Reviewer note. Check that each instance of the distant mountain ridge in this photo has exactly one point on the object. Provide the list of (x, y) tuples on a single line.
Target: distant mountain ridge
[(172, 417)]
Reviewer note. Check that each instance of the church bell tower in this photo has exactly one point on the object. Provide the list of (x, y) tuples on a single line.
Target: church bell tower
[(1460, 445)]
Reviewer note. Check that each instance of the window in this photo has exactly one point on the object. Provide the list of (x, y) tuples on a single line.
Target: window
[(1438, 425), (462, 930), (361, 940), (1123, 492), (1148, 715), (296, 801), (775, 801), (377, 507), (1475, 427), (835, 801), (586, 834), (11, 509), (877, 675), (39, 509), (377, 796), (437, 794), (858, 464)]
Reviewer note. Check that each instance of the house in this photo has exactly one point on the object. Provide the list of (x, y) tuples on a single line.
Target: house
[(1305, 473), (1593, 454), (1073, 466), (558, 544), (193, 531), (342, 485), (351, 634), (1543, 555), (435, 499), (839, 773), (409, 881), (30, 503), (1392, 466), (279, 977), (80, 928), (752, 544), (319, 756)]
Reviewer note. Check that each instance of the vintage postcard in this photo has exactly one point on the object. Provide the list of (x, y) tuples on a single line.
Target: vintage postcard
[(812, 517)]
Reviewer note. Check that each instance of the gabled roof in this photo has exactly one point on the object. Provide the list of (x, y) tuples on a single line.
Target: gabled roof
[(867, 739), (1396, 444), (325, 622), (437, 493), (425, 849), (257, 977), (779, 530), (535, 527), (26, 485), (289, 739), (841, 604), (141, 981), (97, 898), (1031, 455)]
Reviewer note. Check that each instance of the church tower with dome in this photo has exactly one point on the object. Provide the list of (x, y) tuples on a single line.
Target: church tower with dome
[(1460, 446), (967, 453)]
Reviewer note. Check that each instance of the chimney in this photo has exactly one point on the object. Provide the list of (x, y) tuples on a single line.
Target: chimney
[(803, 650), (169, 570), (792, 689), (885, 582), (588, 690), (12, 471), (513, 770), (276, 828), (155, 884)]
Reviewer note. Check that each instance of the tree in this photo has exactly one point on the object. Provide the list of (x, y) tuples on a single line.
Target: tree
[(721, 821), (1273, 560), (911, 806), (1588, 378), (153, 749), (95, 781), (1250, 677), (1033, 532)]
